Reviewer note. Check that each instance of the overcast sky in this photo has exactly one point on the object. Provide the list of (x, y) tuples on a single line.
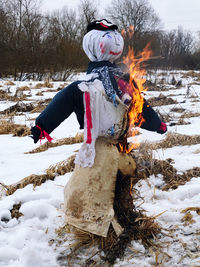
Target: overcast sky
[(171, 12)]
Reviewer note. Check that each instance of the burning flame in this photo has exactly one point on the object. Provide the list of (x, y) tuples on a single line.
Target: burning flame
[(131, 31), (136, 82)]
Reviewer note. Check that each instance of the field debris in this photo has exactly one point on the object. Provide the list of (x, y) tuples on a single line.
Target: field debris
[(19, 107), (7, 127), (175, 139), (15, 213), (161, 100)]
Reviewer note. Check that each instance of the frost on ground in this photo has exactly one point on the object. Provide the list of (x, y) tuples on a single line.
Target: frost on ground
[(31, 219)]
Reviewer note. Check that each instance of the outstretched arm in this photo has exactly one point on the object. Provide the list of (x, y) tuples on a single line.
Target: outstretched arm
[(68, 100), (152, 121)]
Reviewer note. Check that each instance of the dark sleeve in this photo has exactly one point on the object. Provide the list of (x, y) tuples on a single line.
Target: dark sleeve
[(68, 100), (152, 121)]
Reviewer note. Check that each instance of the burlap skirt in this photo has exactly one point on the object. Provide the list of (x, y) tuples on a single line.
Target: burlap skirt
[(89, 194)]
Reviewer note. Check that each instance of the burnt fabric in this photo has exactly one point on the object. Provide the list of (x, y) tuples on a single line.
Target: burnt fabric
[(89, 194)]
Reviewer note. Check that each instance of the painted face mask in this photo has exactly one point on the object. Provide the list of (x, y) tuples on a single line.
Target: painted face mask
[(103, 45)]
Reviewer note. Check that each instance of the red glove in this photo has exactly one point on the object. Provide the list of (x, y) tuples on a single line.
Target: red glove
[(163, 128)]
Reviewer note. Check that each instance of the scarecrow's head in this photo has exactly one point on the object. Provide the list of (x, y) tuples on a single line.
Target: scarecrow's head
[(103, 41)]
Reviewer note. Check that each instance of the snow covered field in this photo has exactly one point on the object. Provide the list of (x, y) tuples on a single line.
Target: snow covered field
[(29, 240)]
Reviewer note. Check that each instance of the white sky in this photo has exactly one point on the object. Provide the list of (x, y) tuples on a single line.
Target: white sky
[(171, 12)]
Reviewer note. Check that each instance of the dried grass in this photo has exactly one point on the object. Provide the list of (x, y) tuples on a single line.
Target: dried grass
[(65, 141), (190, 74), (40, 93), (24, 88), (57, 169), (150, 86), (62, 86), (62, 167), (38, 109), (19, 94), (179, 110), (42, 85), (15, 213), (48, 84), (197, 209), (41, 105), (188, 219), (6, 96), (147, 166), (2, 191), (190, 115), (39, 86), (161, 100), (195, 100), (9, 83), (18, 107), (15, 129), (182, 122), (34, 179), (175, 139)]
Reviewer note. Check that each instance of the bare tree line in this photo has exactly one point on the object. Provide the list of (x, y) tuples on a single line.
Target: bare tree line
[(34, 44)]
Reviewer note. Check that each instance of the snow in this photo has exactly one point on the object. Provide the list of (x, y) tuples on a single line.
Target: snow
[(15, 165), (178, 152), (28, 240)]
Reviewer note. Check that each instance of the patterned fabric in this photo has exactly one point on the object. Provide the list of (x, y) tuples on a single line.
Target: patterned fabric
[(114, 84), (111, 88)]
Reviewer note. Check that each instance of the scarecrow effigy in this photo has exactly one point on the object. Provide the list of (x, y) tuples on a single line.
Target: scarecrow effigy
[(101, 102)]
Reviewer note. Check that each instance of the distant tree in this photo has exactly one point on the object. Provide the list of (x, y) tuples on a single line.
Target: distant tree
[(137, 14), (87, 12), (24, 26), (176, 47)]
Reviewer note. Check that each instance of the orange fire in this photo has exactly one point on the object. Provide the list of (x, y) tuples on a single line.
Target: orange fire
[(131, 31), (136, 82)]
